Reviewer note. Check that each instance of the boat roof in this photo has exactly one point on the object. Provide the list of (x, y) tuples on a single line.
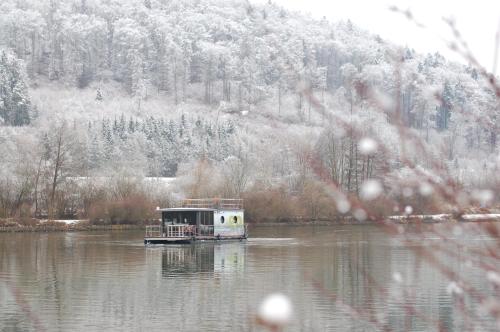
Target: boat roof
[(185, 209), (208, 204), (194, 209)]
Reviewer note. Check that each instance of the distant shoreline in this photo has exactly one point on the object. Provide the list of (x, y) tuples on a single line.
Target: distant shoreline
[(412, 219), (84, 225), (75, 227)]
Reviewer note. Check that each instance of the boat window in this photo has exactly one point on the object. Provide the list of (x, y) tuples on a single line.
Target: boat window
[(221, 219), (235, 219), (207, 218)]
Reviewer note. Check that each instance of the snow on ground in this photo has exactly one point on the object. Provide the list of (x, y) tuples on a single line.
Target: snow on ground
[(481, 216), (422, 216), (67, 222), (444, 217)]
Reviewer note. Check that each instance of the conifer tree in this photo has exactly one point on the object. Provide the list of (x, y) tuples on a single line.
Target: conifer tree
[(15, 105)]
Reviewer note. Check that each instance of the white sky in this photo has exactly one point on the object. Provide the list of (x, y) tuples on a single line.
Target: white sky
[(477, 20)]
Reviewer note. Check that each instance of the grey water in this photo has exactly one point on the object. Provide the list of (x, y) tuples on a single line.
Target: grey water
[(355, 278)]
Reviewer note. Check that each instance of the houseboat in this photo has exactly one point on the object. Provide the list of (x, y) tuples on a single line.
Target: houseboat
[(199, 220)]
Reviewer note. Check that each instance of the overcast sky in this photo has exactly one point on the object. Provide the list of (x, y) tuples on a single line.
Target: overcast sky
[(477, 20)]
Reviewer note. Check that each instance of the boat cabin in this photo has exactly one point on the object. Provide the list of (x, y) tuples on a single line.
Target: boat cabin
[(199, 219)]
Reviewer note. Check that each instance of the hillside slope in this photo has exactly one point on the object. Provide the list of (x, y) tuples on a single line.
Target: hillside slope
[(147, 86)]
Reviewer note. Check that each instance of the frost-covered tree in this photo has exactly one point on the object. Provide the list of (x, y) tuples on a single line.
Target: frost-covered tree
[(15, 105), (443, 111), (213, 61)]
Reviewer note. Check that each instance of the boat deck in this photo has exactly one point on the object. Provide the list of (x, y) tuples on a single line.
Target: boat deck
[(184, 240)]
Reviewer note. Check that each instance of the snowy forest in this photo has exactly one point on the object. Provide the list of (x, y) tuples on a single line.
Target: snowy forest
[(233, 100)]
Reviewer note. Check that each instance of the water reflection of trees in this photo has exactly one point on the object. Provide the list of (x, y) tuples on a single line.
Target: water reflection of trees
[(371, 274), (56, 272), (105, 277)]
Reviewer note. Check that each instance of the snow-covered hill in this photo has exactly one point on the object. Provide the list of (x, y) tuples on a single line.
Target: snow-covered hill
[(145, 86)]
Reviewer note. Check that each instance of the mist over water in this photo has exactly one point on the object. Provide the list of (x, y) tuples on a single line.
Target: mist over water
[(110, 281)]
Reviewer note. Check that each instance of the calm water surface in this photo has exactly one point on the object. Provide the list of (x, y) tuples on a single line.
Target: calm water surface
[(110, 281)]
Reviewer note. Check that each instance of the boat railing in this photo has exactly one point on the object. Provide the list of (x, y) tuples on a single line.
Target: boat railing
[(213, 203), (179, 231), (205, 230), (153, 231)]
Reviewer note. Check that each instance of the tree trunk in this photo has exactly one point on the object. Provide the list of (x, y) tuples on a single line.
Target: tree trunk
[(279, 97), (175, 83), (56, 172), (37, 179)]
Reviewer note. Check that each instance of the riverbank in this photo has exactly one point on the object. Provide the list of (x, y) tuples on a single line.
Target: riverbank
[(411, 219), (63, 226), (35, 225)]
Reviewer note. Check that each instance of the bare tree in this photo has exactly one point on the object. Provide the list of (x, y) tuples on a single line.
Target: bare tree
[(61, 156), (236, 176)]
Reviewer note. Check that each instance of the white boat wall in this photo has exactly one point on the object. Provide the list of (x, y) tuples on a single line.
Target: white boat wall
[(229, 223)]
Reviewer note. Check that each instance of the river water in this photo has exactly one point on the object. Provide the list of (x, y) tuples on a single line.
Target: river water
[(339, 278)]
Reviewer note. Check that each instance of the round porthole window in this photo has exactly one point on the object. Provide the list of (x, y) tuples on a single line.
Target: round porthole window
[(221, 219), (235, 219)]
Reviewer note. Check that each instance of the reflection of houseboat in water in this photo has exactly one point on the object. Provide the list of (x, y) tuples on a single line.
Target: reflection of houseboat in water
[(204, 258), (199, 220)]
